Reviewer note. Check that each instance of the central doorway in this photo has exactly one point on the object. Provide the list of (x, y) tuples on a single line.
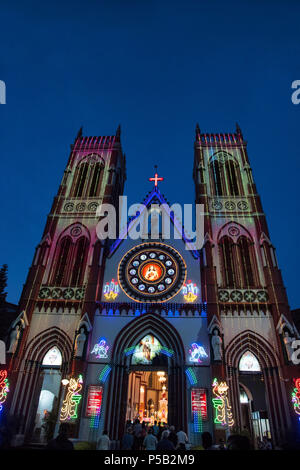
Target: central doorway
[(147, 398)]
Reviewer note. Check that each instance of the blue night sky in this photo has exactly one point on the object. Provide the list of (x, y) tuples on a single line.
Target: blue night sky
[(156, 67)]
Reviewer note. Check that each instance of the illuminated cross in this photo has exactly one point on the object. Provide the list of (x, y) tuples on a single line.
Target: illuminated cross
[(156, 178)]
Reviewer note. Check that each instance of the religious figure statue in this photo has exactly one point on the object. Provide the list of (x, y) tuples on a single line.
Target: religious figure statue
[(216, 342), (147, 350), (14, 339), (79, 343), (288, 340)]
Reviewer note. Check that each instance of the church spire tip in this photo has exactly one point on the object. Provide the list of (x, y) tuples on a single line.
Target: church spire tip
[(79, 133)]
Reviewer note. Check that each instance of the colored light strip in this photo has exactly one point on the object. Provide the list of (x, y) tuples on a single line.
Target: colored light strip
[(197, 418), (167, 352), (104, 374), (296, 397), (4, 387), (191, 376)]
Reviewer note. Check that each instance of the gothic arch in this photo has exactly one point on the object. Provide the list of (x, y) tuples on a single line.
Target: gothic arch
[(271, 372), (40, 344), (143, 325), (65, 254), (28, 383), (233, 230), (149, 323)]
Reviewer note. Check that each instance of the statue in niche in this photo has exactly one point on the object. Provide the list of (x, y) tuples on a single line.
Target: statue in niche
[(14, 339), (288, 340), (216, 343), (79, 343)]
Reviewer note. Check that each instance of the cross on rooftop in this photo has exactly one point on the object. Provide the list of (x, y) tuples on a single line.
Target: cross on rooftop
[(156, 177)]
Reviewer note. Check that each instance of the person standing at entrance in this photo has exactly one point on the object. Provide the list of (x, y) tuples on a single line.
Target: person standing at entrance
[(150, 441), (137, 434), (182, 440), (104, 442), (127, 441), (155, 429)]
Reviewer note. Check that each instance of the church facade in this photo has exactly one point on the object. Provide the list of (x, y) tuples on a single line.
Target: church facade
[(124, 328)]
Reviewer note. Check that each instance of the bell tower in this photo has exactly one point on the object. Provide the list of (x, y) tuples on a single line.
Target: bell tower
[(64, 282), (247, 305)]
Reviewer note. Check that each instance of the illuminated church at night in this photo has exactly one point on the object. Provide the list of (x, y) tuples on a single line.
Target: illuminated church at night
[(113, 330)]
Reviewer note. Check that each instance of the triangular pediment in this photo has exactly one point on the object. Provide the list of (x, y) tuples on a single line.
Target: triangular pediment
[(153, 198)]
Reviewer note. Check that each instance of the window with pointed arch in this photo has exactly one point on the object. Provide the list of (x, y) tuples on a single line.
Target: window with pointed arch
[(249, 363), (247, 262), (225, 178), (53, 357), (70, 262), (228, 271), (62, 262), (231, 178), (87, 179)]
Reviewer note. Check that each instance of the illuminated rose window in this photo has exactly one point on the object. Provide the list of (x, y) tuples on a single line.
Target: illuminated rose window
[(151, 272)]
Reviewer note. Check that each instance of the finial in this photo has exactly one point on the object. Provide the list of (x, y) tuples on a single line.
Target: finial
[(79, 133), (198, 129), (238, 129), (118, 132), (156, 178)]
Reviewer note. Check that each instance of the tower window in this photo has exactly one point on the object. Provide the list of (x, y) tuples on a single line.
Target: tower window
[(60, 274), (246, 262), (96, 180), (232, 184), (228, 274)]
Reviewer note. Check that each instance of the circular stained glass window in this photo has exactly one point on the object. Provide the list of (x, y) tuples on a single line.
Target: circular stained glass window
[(152, 272)]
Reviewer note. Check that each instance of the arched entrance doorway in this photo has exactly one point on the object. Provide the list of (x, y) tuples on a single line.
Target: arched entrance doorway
[(253, 404), (127, 359), (269, 410), (147, 396)]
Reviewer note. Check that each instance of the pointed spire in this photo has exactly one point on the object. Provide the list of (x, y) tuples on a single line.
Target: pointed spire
[(79, 133), (197, 131), (238, 129), (118, 133)]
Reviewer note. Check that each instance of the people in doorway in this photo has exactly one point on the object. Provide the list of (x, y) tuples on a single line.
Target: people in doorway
[(150, 441), (182, 440), (128, 439), (137, 434), (61, 442), (173, 436), (103, 442), (155, 429), (165, 443)]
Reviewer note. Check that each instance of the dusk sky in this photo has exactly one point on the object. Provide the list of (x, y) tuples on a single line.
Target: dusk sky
[(157, 68)]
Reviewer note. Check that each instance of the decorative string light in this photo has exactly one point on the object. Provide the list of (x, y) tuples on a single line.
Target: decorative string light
[(196, 352), (190, 291), (296, 397), (4, 387), (72, 400), (191, 376), (221, 404), (100, 349), (111, 290), (104, 373)]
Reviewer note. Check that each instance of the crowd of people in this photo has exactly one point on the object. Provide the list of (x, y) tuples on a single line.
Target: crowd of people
[(141, 436)]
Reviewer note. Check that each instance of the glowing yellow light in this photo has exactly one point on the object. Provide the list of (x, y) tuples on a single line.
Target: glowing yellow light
[(190, 291), (221, 404), (72, 400), (111, 290)]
